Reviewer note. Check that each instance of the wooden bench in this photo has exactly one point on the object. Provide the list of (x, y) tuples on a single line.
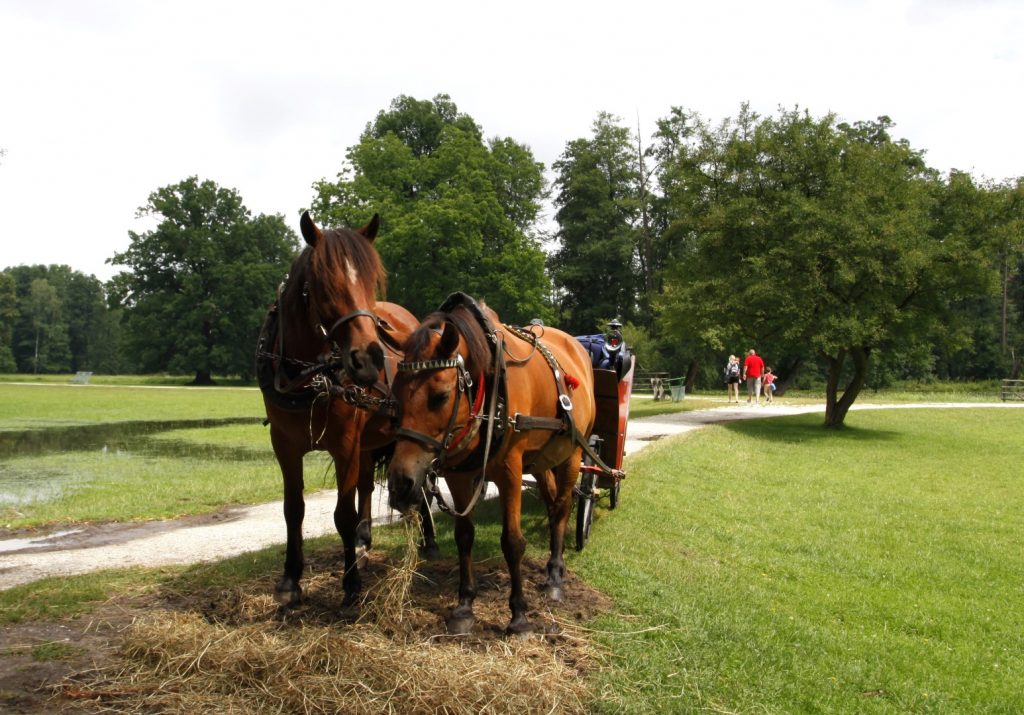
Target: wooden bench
[(81, 378)]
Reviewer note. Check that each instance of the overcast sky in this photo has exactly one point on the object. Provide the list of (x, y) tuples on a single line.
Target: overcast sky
[(102, 102)]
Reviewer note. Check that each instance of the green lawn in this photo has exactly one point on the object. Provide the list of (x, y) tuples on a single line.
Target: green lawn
[(775, 566), (104, 473), (768, 566)]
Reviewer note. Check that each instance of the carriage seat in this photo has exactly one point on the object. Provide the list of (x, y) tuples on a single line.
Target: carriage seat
[(603, 358)]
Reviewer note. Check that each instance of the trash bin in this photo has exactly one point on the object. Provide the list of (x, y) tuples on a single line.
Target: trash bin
[(678, 392)]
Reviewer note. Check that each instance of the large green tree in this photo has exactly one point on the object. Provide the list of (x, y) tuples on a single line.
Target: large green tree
[(816, 235), (199, 283), (458, 213), (598, 266)]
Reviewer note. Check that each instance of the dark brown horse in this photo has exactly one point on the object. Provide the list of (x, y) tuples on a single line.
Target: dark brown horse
[(477, 400), (324, 360)]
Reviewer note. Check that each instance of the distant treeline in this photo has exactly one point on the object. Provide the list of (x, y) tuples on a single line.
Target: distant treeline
[(829, 246)]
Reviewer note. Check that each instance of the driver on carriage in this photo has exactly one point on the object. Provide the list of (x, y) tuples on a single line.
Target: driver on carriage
[(606, 350)]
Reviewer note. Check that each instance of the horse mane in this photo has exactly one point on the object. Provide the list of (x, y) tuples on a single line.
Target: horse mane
[(478, 346), (322, 267)]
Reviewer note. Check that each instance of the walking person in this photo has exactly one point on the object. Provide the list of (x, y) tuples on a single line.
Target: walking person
[(768, 381), (753, 368), (731, 375)]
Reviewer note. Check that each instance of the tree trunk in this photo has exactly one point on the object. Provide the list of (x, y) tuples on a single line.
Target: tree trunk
[(836, 407), (691, 375), (789, 371), (203, 378)]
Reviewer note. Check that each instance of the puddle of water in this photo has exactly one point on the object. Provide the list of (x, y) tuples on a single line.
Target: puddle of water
[(117, 435), (19, 486), (41, 542)]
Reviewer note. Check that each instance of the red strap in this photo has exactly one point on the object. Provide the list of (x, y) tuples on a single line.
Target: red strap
[(478, 403)]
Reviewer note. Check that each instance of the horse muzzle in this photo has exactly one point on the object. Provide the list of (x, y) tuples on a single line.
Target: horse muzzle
[(363, 365), (405, 491)]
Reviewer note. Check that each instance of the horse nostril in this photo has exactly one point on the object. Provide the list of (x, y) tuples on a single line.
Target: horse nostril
[(376, 354)]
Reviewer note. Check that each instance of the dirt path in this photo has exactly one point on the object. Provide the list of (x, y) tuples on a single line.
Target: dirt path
[(235, 531)]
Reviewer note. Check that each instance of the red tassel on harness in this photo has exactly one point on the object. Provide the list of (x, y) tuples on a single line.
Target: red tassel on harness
[(571, 382)]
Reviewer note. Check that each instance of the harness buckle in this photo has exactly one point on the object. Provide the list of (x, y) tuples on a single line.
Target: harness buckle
[(566, 402)]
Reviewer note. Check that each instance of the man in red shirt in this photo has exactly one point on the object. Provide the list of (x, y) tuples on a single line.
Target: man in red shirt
[(753, 368)]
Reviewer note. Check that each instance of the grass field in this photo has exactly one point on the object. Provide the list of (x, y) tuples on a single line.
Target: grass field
[(766, 566), (774, 566), (110, 475)]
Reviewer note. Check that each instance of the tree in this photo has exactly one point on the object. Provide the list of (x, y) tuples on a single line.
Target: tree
[(200, 282), (815, 236), (8, 316), (458, 213), (596, 263), (45, 310)]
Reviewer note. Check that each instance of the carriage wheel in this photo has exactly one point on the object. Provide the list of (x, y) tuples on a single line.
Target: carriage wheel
[(584, 508), (613, 494), (586, 496)]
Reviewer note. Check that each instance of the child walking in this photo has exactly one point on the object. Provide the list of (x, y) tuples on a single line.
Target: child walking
[(769, 385)]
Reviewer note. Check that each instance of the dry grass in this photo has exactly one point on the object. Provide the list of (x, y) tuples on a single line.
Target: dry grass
[(246, 659)]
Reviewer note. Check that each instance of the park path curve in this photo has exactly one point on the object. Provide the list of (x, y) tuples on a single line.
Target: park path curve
[(238, 530)]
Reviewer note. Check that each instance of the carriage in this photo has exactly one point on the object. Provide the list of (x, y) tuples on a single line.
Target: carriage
[(613, 385)]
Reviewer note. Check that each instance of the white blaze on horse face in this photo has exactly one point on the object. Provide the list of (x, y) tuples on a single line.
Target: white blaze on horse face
[(350, 271)]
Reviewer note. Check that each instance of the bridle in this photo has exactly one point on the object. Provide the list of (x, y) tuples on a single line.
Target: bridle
[(454, 443), (324, 364)]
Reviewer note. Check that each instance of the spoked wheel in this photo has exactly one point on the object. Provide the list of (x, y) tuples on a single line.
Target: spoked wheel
[(584, 508), (586, 495)]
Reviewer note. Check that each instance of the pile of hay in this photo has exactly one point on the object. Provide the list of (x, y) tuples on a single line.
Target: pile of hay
[(183, 662)]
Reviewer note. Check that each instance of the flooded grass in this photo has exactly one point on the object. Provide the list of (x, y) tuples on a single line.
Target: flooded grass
[(70, 455)]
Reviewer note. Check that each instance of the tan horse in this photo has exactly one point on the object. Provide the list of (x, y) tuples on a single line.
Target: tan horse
[(321, 365), (480, 399)]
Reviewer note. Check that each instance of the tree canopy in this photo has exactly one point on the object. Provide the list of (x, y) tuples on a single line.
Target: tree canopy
[(199, 283), (458, 213), (811, 235)]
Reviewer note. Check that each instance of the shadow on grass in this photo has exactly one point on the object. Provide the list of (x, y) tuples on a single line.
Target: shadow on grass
[(802, 429)]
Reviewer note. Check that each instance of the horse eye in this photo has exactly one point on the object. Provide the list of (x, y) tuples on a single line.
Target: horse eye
[(437, 400)]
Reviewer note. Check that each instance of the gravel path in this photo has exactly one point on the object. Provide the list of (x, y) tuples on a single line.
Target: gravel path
[(236, 531)]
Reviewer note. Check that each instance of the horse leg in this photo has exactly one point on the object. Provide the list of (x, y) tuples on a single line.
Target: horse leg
[(513, 545), (288, 592), (460, 620), (346, 519), (558, 516), (364, 529), (428, 537)]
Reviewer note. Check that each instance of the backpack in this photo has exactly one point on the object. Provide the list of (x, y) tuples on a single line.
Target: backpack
[(731, 370)]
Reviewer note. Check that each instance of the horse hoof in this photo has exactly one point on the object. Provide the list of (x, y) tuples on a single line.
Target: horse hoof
[(288, 597), (460, 625), (350, 599), (554, 593), (430, 553), (519, 628)]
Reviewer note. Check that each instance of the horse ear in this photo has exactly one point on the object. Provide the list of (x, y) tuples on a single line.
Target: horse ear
[(369, 231), (309, 230), (449, 341)]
